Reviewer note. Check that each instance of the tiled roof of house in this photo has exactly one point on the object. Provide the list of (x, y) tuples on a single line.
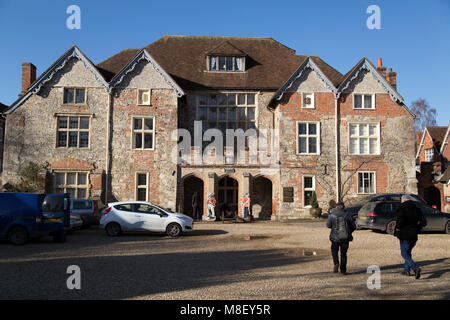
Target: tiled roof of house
[(438, 135), (269, 64)]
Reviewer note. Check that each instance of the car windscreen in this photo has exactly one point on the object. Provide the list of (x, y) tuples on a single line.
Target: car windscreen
[(362, 201), (53, 203), (82, 204)]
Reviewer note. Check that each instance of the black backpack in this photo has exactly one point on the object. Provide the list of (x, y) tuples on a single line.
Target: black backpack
[(341, 228)]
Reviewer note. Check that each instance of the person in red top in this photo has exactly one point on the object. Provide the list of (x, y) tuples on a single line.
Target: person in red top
[(246, 204)]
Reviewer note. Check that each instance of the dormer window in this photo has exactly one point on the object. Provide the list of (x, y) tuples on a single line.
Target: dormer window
[(224, 63)]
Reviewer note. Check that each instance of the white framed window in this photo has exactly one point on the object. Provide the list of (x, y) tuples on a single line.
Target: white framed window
[(308, 137), (74, 96), (309, 186), (429, 155), (308, 100), (366, 182), (143, 133), (142, 183), (224, 63), (73, 131), (144, 97), (75, 183), (364, 138), (363, 101)]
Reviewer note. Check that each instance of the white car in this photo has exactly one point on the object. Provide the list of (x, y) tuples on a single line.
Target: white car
[(121, 217)]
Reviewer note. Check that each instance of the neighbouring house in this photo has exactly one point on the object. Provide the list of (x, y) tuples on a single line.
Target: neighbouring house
[(2, 137), (111, 130), (432, 159)]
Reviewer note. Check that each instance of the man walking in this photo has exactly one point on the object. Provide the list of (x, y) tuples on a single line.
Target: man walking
[(195, 212), (342, 225), (410, 221)]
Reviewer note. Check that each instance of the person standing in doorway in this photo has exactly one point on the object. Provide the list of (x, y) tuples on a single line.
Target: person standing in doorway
[(246, 205), (195, 212), (410, 221), (342, 227), (210, 205)]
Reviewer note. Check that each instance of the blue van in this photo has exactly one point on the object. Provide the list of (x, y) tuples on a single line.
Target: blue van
[(30, 215)]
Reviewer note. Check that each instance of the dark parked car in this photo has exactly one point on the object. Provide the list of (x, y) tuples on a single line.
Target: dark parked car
[(355, 207), (381, 215), (87, 210)]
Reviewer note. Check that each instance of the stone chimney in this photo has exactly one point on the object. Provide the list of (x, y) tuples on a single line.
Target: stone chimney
[(28, 76)]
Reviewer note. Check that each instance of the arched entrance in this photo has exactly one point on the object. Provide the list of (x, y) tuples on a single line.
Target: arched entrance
[(192, 185), (261, 198), (228, 197), (432, 196)]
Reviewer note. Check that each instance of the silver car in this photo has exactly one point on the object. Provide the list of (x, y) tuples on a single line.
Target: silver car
[(121, 217)]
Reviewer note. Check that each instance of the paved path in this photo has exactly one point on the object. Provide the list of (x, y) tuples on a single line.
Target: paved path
[(217, 261)]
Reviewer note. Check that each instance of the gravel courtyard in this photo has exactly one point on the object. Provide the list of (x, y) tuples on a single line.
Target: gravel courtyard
[(262, 260)]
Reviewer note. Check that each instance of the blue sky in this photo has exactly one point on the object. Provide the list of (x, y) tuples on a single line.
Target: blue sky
[(414, 39)]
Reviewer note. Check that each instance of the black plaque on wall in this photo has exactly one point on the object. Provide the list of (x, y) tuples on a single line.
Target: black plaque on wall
[(288, 194)]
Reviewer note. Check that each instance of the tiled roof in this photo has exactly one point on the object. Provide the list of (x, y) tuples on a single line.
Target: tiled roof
[(269, 64), (438, 135)]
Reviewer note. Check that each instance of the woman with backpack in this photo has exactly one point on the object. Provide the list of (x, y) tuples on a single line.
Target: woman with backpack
[(342, 226)]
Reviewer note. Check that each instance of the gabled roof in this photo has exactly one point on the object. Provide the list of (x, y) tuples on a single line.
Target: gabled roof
[(48, 75), (365, 64), (437, 135), (144, 55), (307, 63), (445, 141), (268, 63), (226, 48)]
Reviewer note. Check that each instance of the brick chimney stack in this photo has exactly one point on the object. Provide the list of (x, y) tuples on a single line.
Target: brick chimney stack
[(391, 77), (28, 76), (381, 68)]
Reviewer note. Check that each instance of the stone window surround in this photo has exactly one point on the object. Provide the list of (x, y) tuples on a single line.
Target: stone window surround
[(313, 188), (208, 93), (137, 186), (317, 135), (89, 115), (142, 117), (378, 124), (313, 102), (374, 173), (74, 103), (76, 186), (373, 98), (429, 155), (149, 94)]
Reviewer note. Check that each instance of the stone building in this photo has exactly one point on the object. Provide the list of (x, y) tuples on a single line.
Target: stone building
[(2, 135), (136, 126)]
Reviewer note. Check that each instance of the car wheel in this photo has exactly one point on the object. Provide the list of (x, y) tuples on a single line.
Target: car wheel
[(355, 219), (113, 229), (390, 228), (173, 230), (18, 236), (447, 228)]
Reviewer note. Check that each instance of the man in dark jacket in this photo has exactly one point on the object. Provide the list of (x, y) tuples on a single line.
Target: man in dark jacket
[(410, 221), (342, 226)]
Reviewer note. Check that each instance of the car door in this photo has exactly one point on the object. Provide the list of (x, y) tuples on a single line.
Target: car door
[(129, 220), (151, 217), (435, 220)]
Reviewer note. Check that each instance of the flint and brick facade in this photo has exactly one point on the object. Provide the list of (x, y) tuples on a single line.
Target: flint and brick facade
[(174, 71)]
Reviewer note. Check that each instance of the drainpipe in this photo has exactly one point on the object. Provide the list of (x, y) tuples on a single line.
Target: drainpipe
[(336, 118), (108, 147)]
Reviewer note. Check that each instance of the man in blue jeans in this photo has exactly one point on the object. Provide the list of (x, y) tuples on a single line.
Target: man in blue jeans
[(410, 221)]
